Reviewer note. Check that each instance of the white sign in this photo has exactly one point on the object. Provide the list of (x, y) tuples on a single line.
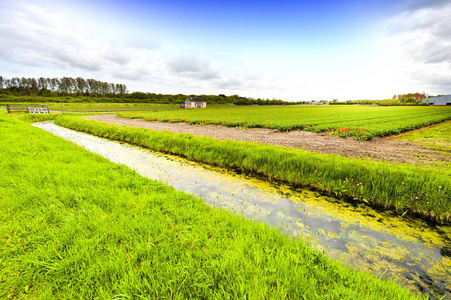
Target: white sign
[(38, 110)]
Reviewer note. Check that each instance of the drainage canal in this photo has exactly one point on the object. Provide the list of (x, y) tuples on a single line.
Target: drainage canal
[(412, 252)]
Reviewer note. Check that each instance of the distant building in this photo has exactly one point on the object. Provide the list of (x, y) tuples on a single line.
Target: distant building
[(418, 97), (194, 103), (442, 100)]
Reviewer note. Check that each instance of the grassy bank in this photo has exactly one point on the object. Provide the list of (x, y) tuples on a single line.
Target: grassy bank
[(404, 188), (74, 225)]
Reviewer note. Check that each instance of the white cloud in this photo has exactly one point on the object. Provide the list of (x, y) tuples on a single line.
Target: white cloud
[(413, 5), (192, 65), (38, 39), (117, 55), (35, 36), (78, 58), (42, 40), (421, 38), (425, 34)]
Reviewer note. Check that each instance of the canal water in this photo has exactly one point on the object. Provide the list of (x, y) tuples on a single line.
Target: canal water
[(413, 253)]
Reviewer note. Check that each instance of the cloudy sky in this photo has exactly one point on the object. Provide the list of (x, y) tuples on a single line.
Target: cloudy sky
[(287, 49)]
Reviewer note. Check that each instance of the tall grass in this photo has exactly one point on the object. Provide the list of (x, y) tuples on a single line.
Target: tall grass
[(402, 187), (76, 226)]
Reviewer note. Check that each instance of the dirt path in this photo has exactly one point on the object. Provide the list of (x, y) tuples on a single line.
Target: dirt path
[(379, 149)]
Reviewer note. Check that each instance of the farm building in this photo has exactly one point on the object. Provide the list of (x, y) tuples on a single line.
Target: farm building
[(418, 96), (442, 100), (194, 103)]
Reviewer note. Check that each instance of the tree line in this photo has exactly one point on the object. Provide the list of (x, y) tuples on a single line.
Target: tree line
[(51, 87), (67, 89)]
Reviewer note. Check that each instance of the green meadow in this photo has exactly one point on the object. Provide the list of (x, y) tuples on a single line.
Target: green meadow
[(97, 107), (76, 226), (92, 107)]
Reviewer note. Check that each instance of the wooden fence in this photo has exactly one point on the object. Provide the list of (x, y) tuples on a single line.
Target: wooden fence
[(23, 108)]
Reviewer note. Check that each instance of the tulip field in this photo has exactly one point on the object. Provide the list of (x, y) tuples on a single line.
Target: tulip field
[(361, 122)]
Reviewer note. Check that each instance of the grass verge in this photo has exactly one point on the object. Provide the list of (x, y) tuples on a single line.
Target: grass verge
[(436, 137), (404, 188), (76, 226)]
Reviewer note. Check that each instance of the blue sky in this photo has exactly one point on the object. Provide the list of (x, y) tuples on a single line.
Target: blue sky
[(291, 50)]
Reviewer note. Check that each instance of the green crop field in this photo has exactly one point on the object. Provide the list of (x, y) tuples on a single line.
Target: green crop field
[(75, 226), (361, 122)]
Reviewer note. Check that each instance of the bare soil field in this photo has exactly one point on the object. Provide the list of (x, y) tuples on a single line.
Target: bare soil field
[(379, 149)]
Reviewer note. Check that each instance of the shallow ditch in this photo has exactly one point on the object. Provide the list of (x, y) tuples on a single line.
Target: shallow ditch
[(410, 251)]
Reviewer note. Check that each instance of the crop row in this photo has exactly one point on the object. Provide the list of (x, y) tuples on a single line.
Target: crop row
[(361, 122), (405, 188)]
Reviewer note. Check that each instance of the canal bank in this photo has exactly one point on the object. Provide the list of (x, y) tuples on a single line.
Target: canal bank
[(410, 251)]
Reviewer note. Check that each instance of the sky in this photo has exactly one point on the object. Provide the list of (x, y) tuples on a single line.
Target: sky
[(287, 49)]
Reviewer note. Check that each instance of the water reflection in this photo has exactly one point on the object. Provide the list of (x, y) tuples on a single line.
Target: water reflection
[(410, 251)]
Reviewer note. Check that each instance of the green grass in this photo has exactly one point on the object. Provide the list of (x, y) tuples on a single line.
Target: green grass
[(402, 187), (361, 122), (437, 137), (76, 226), (106, 107), (98, 107)]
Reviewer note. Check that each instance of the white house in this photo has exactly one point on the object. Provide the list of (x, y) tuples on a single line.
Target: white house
[(194, 103)]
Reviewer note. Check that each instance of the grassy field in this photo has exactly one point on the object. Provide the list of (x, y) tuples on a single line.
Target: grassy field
[(404, 188), (76, 226), (105, 107), (99, 107), (436, 137), (361, 122)]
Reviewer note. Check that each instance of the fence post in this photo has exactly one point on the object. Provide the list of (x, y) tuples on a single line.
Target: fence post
[(7, 108), (61, 103)]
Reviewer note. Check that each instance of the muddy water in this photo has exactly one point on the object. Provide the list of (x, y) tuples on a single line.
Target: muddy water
[(409, 251)]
